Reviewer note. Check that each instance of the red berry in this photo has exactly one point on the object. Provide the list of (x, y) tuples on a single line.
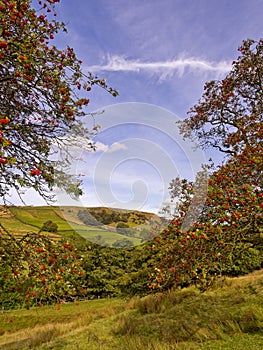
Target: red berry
[(4, 121), (35, 172), (3, 161), (3, 44)]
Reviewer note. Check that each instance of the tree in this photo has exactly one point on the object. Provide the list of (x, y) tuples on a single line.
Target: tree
[(229, 114), (35, 270), (44, 94), (85, 216), (229, 117), (226, 235), (50, 226), (122, 224)]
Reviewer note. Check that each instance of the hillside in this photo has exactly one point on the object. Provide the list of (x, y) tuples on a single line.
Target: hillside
[(229, 316), (105, 226)]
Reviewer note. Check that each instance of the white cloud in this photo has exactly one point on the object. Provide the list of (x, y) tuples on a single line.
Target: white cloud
[(81, 143), (164, 68), (116, 146), (101, 147)]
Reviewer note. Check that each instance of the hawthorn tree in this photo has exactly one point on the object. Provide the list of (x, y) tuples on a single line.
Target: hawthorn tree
[(190, 250), (229, 117), (43, 96), (226, 236), (35, 270)]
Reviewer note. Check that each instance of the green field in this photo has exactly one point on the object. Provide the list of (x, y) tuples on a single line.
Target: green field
[(108, 236), (227, 317), (16, 227), (30, 219), (36, 216)]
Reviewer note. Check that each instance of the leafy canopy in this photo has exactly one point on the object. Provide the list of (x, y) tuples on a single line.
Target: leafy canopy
[(43, 96), (226, 233), (229, 115)]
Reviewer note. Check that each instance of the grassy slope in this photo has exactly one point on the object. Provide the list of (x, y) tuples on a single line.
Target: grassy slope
[(16, 227), (31, 219), (229, 316)]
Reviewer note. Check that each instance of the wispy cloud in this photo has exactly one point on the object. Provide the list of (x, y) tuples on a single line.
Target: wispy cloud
[(164, 68)]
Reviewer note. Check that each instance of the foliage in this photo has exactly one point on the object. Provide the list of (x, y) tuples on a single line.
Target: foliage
[(217, 228), (50, 226), (229, 115), (244, 259), (103, 266), (122, 224), (44, 96), (112, 272), (140, 263), (123, 243), (109, 216), (35, 270), (87, 218)]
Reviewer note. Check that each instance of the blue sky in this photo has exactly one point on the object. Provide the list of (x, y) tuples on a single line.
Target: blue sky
[(158, 55), (152, 32)]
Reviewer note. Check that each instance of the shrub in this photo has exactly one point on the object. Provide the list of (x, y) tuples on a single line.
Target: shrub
[(50, 226)]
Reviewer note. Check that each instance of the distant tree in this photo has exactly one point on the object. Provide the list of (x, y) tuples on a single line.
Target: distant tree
[(125, 217), (43, 96), (87, 218), (122, 224), (50, 226)]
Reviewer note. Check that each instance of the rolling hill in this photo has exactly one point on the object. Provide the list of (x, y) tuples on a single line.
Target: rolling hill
[(98, 225)]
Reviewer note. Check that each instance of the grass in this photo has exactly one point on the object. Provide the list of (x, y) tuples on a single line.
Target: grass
[(37, 216), (13, 225), (30, 219), (229, 316), (23, 329), (109, 236)]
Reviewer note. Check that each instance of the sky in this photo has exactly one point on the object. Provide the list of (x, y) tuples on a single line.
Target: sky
[(158, 55)]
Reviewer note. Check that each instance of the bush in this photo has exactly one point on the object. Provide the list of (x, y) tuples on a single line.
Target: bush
[(244, 259), (87, 218), (50, 226), (35, 270), (122, 224)]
